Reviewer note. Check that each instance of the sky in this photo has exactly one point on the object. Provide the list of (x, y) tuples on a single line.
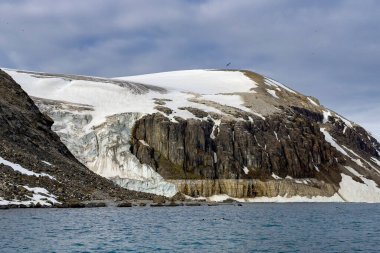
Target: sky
[(323, 48)]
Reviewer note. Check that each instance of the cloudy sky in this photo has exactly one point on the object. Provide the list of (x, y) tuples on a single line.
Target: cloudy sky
[(327, 49)]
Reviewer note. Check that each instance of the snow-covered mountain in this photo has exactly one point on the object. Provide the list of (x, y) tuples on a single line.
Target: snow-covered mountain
[(36, 168), (209, 132)]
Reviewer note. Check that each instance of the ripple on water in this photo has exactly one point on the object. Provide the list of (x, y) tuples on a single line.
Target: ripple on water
[(251, 228)]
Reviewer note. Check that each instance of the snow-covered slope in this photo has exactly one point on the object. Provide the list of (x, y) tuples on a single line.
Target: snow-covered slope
[(197, 81), (95, 116)]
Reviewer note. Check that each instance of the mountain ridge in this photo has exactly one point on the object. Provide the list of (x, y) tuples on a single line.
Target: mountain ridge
[(232, 121)]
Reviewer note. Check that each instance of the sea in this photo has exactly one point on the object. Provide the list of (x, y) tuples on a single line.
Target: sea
[(256, 227)]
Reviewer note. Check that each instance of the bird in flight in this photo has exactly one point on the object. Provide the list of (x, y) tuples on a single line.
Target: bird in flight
[(228, 64)]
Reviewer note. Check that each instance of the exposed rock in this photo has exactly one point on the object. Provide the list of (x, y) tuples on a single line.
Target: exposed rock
[(159, 200), (286, 145), (197, 112), (249, 188), (124, 204), (164, 109)]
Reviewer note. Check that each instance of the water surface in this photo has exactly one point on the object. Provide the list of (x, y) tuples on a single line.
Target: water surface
[(298, 227)]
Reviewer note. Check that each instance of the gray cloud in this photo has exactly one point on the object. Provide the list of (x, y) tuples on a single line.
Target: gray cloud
[(328, 49)]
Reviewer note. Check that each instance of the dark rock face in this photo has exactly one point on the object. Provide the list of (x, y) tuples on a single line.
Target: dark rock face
[(288, 144), (26, 139)]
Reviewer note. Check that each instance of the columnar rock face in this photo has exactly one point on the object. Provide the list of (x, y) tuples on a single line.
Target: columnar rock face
[(284, 144), (206, 133), (35, 166)]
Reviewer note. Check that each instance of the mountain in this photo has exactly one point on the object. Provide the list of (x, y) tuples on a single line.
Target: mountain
[(209, 134), (36, 168)]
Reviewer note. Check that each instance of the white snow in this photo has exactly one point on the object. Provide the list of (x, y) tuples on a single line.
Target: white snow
[(218, 198), (47, 163), (285, 199), (215, 158), (214, 127), (326, 115), (198, 81), (22, 170), (40, 195), (272, 92), (332, 141), (106, 98), (227, 99), (271, 82), (109, 99), (275, 134), (277, 199), (347, 122), (276, 177), (246, 170), (354, 172), (375, 160), (353, 191), (359, 160), (144, 143), (312, 101)]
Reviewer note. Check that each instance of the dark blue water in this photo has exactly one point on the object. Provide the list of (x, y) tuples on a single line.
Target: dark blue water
[(250, 228)]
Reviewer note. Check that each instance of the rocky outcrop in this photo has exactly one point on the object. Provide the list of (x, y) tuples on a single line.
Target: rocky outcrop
[(286, 145), (250, 188)]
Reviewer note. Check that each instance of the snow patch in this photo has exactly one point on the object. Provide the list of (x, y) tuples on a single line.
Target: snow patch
[(332, 141), (275, 176), (228, 100), (47, 163), (40, 195), (22, 170), (272, 92), (326, 115), (284, 199), (275, 134), (347, 122), (375, 161), (198, 81), (144, 143), (218, 198), (271, 82), (214, 127), (353, 191), (246, 170)]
